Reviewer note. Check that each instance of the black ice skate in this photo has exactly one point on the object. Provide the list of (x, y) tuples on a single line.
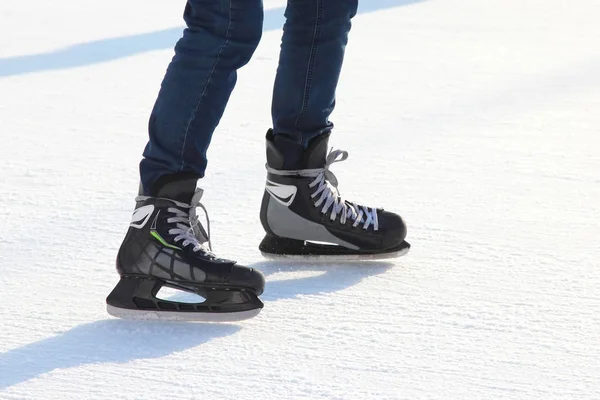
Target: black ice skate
[(304, 215), (166, 246)]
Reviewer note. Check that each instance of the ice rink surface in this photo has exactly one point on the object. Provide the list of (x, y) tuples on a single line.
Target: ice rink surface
[(478, 121)]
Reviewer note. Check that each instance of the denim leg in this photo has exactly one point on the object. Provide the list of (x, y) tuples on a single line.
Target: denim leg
[(220, 38), (312, 52)]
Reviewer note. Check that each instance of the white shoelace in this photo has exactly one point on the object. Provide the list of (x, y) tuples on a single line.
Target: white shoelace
[(327, 187), (188, 229)]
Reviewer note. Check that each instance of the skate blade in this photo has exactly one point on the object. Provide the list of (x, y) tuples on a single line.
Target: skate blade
[(152, 315), (336, 257)]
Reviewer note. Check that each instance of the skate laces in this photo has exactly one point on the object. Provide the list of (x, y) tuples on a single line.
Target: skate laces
[(188, 228), (328, 194)]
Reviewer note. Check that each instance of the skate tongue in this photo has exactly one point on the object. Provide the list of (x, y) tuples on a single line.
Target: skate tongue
[(287, 152), (181, 190), (197, 197), (333, 157), (202, 235), (315, 155)]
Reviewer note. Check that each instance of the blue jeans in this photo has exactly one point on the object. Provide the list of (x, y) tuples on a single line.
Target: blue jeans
[(220, 38)]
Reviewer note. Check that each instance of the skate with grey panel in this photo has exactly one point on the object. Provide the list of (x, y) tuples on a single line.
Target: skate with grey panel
[(166, 246), (304, 215)]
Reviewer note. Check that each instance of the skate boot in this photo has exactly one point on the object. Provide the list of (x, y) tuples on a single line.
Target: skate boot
[(304, 215), (167, 246)]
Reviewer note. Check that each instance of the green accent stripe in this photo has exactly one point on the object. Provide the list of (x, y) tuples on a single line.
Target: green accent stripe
[(162, 241)]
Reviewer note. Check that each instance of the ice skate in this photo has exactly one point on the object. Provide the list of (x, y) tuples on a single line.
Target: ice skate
[(304, 215), (167, 246)]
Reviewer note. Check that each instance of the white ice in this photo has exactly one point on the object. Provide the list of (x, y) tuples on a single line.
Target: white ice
[(479, 121)]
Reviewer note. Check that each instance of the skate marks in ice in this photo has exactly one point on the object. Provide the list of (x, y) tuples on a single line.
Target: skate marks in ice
[(295, 278), (108, 341)]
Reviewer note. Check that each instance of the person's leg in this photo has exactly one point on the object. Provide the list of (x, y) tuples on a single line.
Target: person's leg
[(166, 245), (220, 38), (312, 52), (302, 211)]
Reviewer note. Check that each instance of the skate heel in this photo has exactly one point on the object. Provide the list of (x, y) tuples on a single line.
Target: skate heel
[(277, 245), (134, 293)]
